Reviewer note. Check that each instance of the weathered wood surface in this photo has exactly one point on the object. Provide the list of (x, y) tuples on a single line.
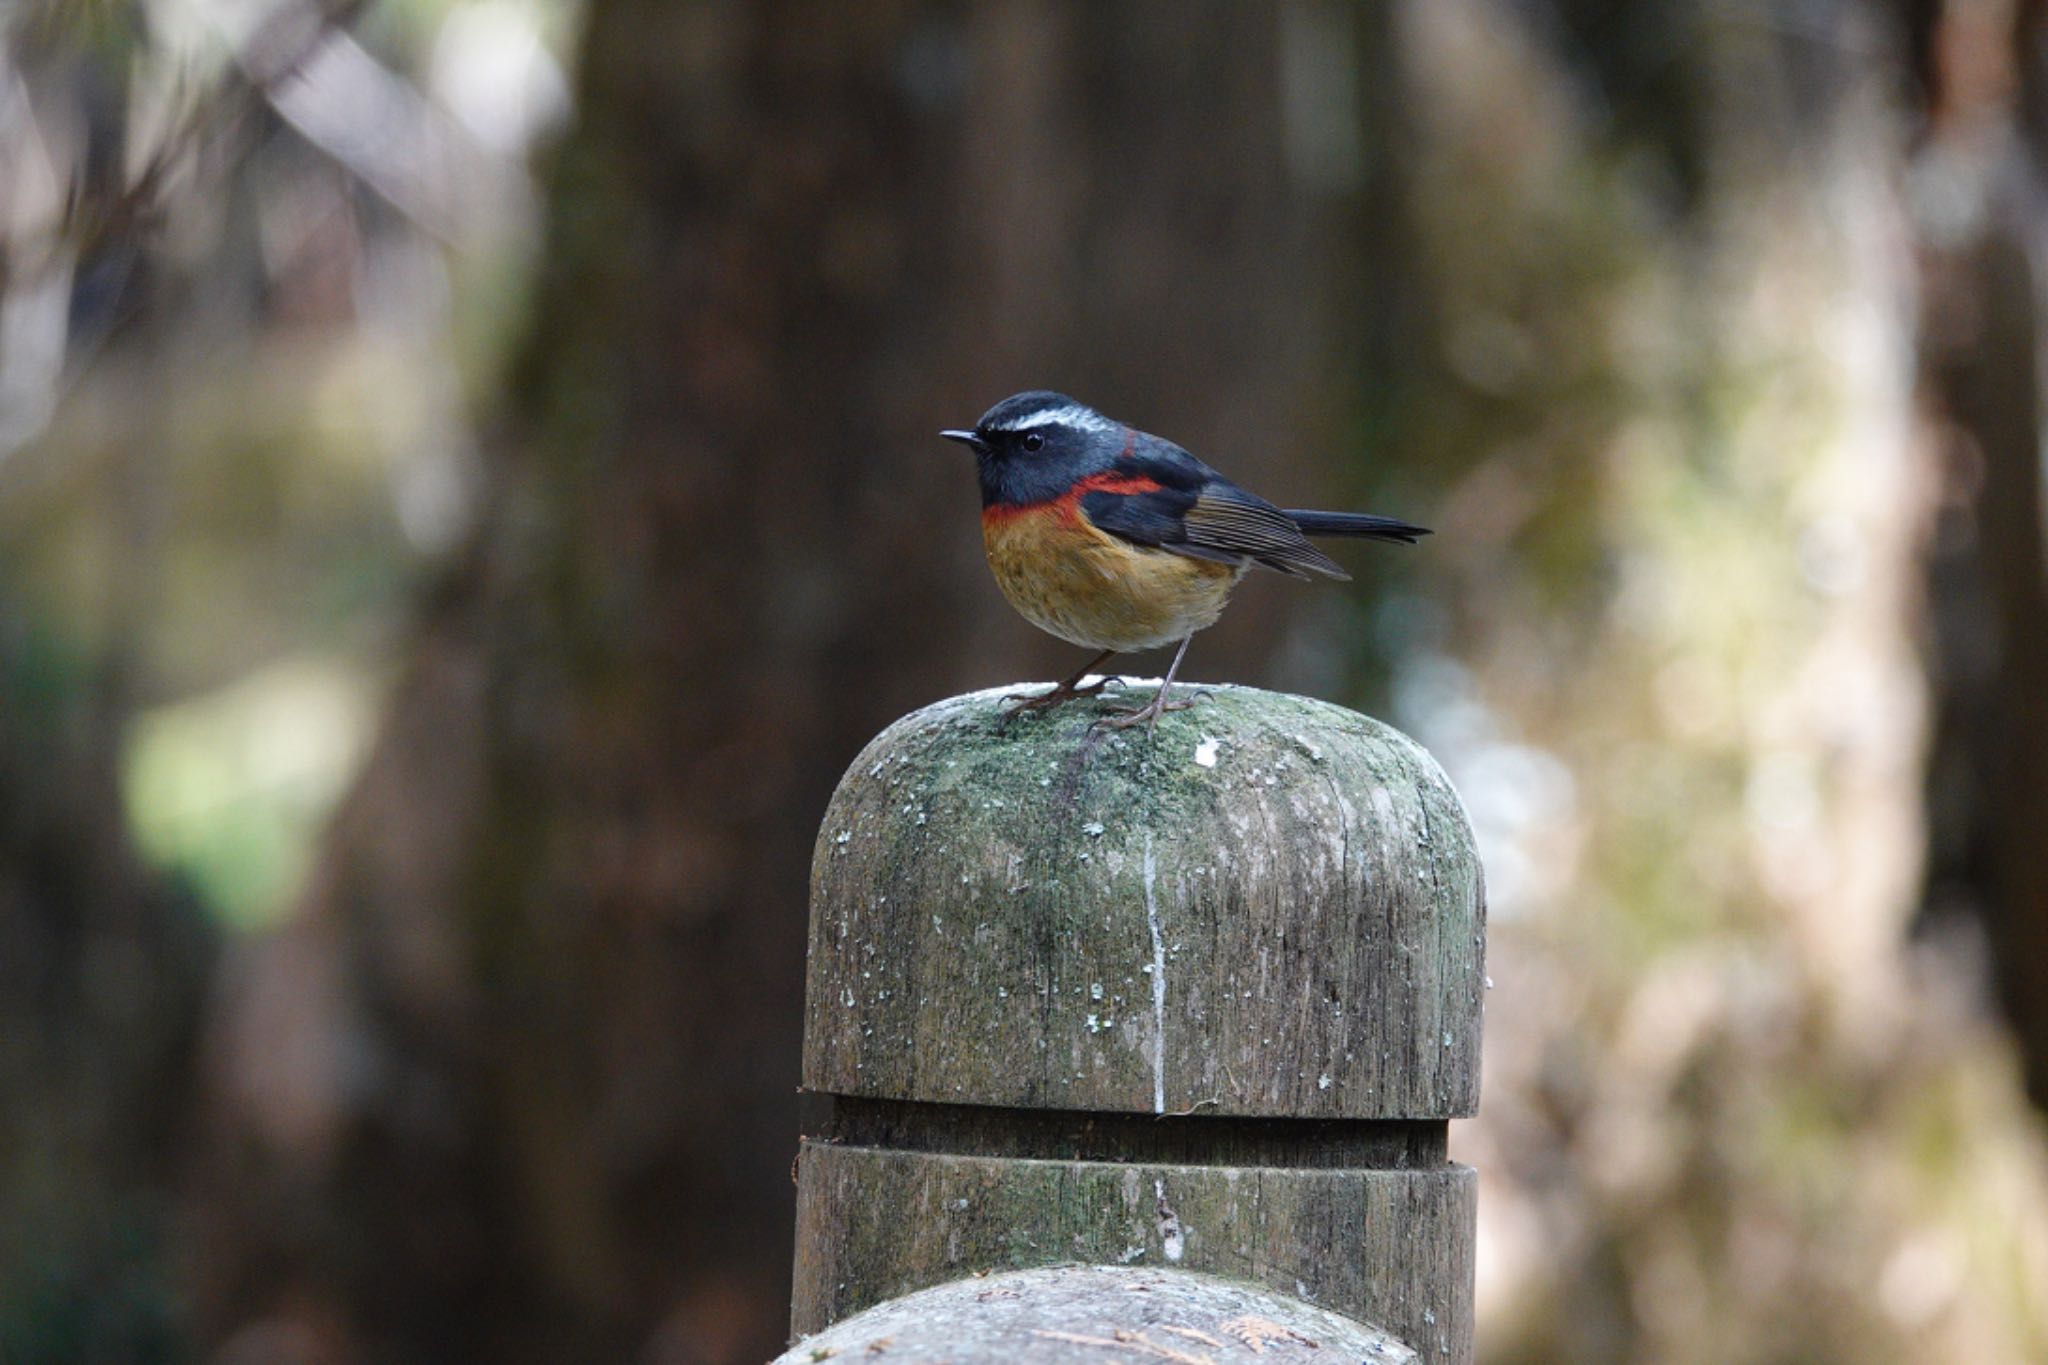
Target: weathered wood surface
[(1270, 907), (1205, 1000), (1099, 1315), (1392, 1247)]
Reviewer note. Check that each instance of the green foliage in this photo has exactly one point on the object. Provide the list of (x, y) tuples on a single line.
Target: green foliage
[(232, 789), (1667, 660)]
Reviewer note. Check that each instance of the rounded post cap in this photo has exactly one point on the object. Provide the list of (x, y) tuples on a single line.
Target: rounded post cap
[(1072, 1315), (1272, 906)]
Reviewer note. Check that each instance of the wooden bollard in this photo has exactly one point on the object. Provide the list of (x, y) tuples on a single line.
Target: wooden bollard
[(1071, 1315), (1206, 999)]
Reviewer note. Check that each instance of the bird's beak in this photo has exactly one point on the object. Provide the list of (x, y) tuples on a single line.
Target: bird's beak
[(967, 438)]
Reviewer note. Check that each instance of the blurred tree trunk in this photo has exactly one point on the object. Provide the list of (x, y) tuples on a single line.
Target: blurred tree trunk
[(518, 1083), (104, 961), (1680, 517), (1981, 359), (102, 974)]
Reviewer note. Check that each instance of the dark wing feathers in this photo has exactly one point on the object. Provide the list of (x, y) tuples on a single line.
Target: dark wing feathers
[(1220, 522), (1152, 517), (1362, 524), (1197, 512), (1225, 517)]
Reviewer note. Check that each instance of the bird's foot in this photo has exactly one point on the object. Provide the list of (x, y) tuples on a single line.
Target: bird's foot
[(1065, 692), (1147, 715)]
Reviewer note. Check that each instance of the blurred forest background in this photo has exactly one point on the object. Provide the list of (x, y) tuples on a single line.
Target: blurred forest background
[(468, 485)]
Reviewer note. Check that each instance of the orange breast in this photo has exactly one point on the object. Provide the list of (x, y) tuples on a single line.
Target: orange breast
[(1088, 587)]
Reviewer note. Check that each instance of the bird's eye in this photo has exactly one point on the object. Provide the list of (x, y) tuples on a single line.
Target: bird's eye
[(1034, 441)]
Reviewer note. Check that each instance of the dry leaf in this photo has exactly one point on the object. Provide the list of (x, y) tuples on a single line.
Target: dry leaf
[(1256, 1332)]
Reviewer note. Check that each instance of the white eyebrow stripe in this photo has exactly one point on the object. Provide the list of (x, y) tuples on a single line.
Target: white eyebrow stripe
[(1073, 415)]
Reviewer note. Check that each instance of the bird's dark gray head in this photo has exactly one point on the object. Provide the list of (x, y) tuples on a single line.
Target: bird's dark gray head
[(1033, 446)]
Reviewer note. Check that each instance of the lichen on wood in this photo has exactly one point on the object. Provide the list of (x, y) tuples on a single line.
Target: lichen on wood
[(1202, 999), (1390, 1247), (1271, 905), (1098, 1315)]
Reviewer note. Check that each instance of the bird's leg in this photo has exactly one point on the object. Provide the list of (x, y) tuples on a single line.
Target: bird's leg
[(1148, 715), (1066, 691)]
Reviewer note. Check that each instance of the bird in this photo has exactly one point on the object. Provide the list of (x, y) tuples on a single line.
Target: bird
[(1117, 540)]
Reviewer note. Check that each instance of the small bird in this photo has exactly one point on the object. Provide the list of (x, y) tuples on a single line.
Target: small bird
[(1117, 540)]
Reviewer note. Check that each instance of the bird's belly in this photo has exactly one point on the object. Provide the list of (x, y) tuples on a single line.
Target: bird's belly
[(1077, 582)]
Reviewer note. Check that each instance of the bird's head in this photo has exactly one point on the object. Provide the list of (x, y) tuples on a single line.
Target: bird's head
[(1032, 447)]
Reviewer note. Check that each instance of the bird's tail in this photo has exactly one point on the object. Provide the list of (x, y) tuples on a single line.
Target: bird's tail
[(1361, 524)]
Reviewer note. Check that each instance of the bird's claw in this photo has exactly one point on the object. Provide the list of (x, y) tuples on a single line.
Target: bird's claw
[(1063, 692), (1147, 715)]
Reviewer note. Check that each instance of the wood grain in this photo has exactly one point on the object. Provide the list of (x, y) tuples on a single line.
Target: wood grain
[(1021, 916), (1392, 1248), (1205, 1000), (1098, 1315)]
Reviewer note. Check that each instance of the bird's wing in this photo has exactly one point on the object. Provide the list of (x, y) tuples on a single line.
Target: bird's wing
[(1226, 517), (1169, 500)]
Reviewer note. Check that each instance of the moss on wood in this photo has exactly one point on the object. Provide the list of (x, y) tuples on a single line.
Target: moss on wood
[(1271, 906)]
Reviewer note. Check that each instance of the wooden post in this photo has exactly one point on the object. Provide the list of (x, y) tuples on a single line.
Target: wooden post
[(1071, 1315), (1204, 1000)]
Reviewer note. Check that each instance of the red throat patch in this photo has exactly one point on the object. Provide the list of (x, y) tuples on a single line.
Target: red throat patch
[(1067, 506)]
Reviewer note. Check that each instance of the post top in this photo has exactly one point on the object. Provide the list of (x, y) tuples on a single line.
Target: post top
[(1069, 1315), (1270, 907)]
